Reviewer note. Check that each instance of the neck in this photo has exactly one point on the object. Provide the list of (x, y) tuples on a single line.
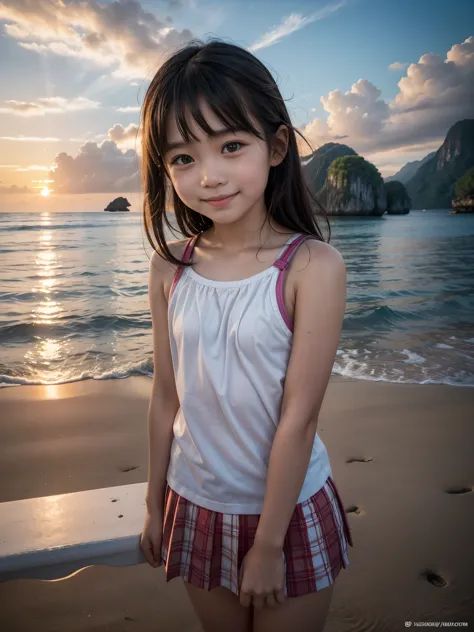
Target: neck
[(249, 232)]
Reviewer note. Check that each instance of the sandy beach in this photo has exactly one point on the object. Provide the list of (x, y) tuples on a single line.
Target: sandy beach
[(399, 454)]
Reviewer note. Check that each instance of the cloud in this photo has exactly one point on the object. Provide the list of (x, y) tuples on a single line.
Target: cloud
[(291, 24), (432, 96), (36, 168), (15, 189), (97, 168), (359, 112), (48, 105), (434, 83), (33, 139), (129, 108), (397, 65), (119, 34), (120, 134), (40, 139)]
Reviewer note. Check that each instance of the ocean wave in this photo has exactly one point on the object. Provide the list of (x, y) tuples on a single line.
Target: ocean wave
[(144, 368), (71, 325), (351, 369), (26, 227), (376, 317)]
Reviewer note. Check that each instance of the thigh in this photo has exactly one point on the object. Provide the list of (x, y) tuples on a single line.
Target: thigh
[(306, 613), (219, 609)]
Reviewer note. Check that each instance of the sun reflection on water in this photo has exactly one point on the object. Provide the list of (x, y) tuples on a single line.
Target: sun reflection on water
[(48, 351)]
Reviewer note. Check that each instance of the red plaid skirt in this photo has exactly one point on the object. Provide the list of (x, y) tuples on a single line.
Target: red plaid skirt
[(206, 548)]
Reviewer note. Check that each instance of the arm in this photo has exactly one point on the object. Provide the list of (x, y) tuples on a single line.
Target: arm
[(164, 401), (319, 314)]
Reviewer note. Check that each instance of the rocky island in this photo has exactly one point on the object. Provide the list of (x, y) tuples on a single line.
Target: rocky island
[(344, 183), (464, 190), (355, 187), (347, 184), (463, 205), (398, 200), (119, 205)]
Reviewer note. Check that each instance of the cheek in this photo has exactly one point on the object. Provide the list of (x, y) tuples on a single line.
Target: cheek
[(183, 184), (253, 175), (254, 178)]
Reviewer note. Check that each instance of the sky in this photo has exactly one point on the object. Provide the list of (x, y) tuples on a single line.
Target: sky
[(386, 78)]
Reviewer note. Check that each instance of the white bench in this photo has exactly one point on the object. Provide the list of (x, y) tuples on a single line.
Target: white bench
[(54, 536)]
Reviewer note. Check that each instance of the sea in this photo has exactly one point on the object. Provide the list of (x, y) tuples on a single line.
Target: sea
[(74, 303)]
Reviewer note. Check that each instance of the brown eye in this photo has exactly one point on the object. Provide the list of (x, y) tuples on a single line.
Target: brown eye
[(174, 161), (234, 142)]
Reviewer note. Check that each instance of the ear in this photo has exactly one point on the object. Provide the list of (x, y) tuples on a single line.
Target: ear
[(280, 145)]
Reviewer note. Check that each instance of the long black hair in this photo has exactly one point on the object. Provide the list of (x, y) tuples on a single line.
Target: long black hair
[(233, 82)]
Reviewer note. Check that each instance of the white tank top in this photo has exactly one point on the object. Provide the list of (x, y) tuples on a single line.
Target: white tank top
[(230, 346)]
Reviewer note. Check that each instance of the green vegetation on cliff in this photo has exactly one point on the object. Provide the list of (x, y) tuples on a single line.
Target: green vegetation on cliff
[(316, 166), (347, 169), (465, 185)]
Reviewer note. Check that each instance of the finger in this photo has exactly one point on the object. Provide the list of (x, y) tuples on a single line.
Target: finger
[(152, 549), (258, 601), (270, 601), (147, 552), (280, 596), (245, 599), (157, 553), (147, 548)]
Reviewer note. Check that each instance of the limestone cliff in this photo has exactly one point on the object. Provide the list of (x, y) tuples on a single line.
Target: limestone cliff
[(355, 187), (463, 205), (398, 200), (433, 184)]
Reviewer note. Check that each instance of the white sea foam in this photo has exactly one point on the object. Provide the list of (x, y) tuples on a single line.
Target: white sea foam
[(413, 358)]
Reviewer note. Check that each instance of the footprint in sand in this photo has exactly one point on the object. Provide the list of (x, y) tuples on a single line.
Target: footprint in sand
[(129, 468), (459, 490), (434, 578), (358, 459), (354, 509)]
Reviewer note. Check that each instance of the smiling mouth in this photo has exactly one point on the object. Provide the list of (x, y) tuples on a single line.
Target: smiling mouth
[(220, 198)]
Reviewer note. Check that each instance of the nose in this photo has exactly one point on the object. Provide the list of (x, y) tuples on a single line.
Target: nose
[(211, 177)]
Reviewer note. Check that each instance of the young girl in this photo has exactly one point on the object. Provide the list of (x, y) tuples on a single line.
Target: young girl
[(241, 502)]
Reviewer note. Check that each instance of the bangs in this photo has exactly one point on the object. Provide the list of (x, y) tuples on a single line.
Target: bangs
[(218, 91)]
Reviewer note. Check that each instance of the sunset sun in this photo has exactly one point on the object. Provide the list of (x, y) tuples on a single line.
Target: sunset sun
[(45, 192)]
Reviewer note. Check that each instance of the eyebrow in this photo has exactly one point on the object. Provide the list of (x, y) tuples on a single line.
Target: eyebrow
[(215, 134)]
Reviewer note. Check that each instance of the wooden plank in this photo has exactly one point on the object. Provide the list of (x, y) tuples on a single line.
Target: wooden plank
[(53, 536)]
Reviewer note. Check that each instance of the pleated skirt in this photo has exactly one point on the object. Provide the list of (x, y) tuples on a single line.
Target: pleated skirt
[(206, 548)]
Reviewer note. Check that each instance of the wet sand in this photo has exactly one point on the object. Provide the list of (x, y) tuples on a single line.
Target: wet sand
[(401, 456)]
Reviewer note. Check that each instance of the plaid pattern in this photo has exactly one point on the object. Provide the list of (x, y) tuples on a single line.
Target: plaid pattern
[(206, 548)]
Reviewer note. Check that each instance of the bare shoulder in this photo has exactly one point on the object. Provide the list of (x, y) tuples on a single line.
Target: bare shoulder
[(161, 270), (314, 256), (163, 266), (320, 283)]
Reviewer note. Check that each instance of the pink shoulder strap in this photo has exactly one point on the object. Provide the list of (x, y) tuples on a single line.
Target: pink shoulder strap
[(283, 262), (185, 258)]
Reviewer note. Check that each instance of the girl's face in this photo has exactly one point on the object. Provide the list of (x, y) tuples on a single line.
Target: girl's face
[(232, 164)]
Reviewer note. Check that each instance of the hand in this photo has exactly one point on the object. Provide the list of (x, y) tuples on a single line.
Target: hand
[(151, 538), (261, 577)]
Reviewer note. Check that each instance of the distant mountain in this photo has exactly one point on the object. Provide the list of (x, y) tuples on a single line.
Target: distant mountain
[(432, 186), (409, 170)]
